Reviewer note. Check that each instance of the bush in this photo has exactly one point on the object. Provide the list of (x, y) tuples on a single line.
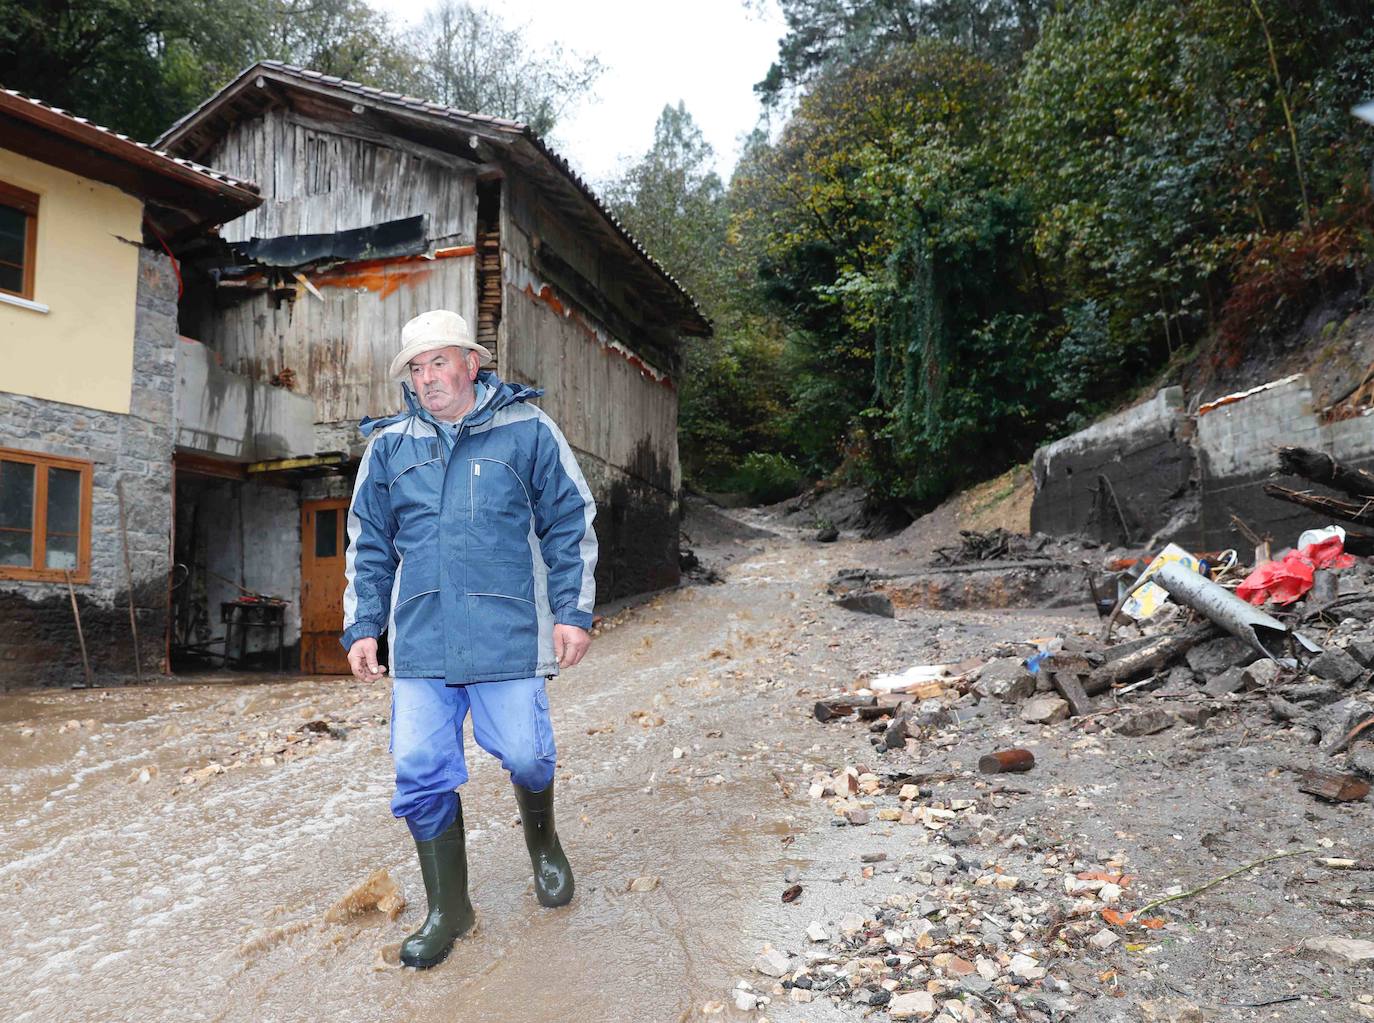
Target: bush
[(766, 478)]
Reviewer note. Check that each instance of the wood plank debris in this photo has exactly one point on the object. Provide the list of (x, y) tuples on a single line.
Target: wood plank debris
[(827, 710), (1361, 511), (1332, 785)]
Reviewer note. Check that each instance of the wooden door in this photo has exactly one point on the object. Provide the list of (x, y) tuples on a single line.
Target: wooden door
[(324, 542)]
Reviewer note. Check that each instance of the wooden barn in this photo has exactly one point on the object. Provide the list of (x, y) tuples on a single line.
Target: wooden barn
[(377, 207)]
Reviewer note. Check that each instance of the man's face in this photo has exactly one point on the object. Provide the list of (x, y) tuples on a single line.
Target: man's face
[(443, 381)]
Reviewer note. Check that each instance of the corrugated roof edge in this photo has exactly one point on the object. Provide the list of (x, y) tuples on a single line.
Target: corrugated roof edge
[(191, 165), (450, 113)]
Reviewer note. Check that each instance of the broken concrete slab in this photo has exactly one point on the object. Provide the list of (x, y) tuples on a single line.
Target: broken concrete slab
[(1006, 679), (1313, 691), (1197, 714), (1262, 673), (771, 962), (991, 584), (1232, 680), (1336, 721), (912, 1005), (1362, 650), (1283, 710), (1215, 656), (1339, 951)]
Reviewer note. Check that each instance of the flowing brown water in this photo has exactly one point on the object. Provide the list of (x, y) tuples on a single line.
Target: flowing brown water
[(159, 899)]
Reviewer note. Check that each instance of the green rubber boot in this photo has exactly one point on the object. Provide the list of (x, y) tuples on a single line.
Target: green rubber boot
[(553, 877), (444, 867)]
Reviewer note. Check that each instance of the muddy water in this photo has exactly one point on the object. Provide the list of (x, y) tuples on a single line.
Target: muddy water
[(127, 893)]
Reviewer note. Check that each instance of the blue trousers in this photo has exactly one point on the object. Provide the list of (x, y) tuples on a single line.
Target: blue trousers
[(510, 720)]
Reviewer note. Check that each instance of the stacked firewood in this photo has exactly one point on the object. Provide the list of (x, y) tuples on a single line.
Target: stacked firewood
[(488, 287)]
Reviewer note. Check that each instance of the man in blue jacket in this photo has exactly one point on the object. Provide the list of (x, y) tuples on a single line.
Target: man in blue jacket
[(471, 546)]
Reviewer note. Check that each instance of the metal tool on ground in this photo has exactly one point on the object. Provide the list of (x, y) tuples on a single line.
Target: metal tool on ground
[(80, 636), (129, 579)]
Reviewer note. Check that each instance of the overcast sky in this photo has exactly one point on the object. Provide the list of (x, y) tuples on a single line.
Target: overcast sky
[(707, 53)]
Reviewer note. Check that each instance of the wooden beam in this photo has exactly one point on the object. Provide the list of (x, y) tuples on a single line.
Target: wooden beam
[(204, 465), (331, 460), (1334, 507), (1319, 467)]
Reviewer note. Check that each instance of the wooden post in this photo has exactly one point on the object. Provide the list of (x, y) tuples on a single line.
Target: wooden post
[(129, 581), (80, 637)]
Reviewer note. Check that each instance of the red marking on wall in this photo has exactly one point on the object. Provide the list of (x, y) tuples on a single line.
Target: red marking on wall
[(383, 276), (546, 295)]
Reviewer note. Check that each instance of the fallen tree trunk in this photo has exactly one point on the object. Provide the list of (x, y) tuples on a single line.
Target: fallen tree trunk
[(827, 710), (1334, 507), (1319, 467), (1149, 659)]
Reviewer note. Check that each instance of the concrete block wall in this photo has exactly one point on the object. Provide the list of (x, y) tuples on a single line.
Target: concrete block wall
[(1182, 477), (1145, 455), (1238, 444), (40, 645)]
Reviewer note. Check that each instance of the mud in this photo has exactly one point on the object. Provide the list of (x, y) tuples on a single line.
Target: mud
[(686, 746)]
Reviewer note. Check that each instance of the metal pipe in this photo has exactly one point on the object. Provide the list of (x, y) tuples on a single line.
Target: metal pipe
[(1266, 635)]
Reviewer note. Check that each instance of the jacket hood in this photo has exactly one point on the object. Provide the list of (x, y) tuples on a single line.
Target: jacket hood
[(499, 395)]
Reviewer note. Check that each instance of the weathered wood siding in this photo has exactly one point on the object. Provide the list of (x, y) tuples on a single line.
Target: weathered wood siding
[(603, 403), (618, 411), (317, 179), (339, 347), (608, 405)]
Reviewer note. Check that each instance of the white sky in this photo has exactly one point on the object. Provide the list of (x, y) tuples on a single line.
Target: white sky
[(707, 53)]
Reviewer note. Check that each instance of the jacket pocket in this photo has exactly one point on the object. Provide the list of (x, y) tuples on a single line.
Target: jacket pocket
[(499, 504), (416, 633), (503, 616)]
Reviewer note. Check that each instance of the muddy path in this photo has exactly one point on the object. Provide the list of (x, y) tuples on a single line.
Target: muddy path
[(170, 852)]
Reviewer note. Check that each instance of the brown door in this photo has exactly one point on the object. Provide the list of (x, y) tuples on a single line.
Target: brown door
[(324, 542)]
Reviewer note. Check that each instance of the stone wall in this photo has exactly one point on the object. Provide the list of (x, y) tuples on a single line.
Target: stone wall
[(40, 646)]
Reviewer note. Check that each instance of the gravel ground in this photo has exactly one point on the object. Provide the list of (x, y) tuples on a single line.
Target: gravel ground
[(988, 892)]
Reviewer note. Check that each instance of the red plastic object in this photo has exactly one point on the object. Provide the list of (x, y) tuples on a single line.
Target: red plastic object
[(1287, 579)]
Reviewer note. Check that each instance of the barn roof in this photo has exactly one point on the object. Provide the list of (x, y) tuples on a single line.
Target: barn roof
[(184, 195), (271, 82)]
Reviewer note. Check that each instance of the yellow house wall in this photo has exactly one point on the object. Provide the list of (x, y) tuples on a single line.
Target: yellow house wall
[(81, 350)]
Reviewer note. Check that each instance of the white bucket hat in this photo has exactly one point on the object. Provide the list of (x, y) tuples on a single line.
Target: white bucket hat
[(428, 332)]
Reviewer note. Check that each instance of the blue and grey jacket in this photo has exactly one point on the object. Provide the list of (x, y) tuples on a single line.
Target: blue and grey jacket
[(468, 550)]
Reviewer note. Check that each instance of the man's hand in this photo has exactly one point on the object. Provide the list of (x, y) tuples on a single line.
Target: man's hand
[(362, 658), (569, 644)]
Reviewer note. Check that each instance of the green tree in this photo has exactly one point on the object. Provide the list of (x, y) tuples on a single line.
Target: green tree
[(732, 395), (137, 65), (829, 35)]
